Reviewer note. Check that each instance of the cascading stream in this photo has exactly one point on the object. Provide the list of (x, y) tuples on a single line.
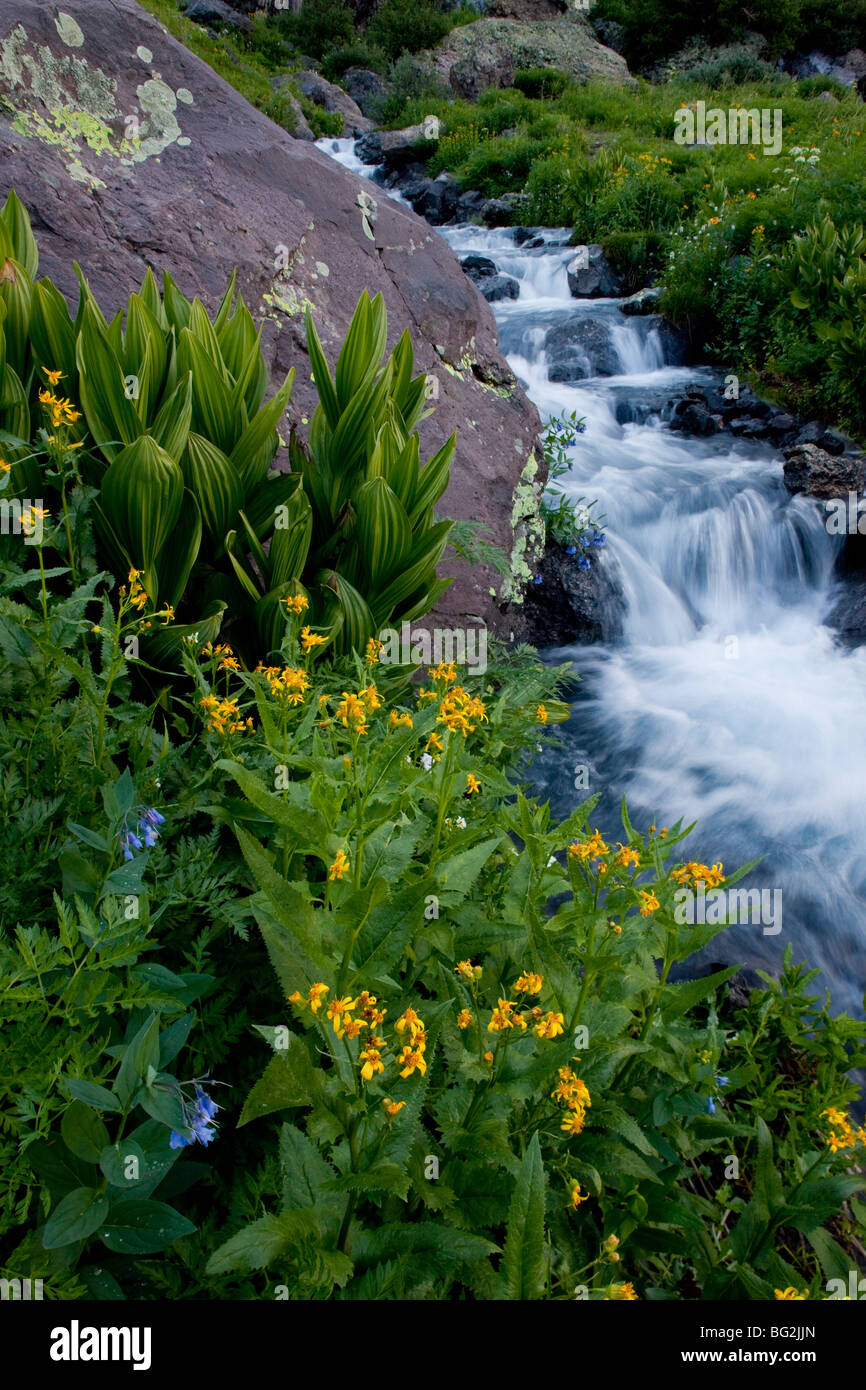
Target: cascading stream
[(727, 701)]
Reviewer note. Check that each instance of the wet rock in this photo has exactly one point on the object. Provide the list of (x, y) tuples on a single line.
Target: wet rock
[(499, 212), (395, 148), (367, 89), (591, 276), (694, 418), (470, 206), (643, 302), (500, 287), (747, 426), (477, 267), (848, 615), (436, 199), (580, 348), (333, 100), (216, 186), (573, 604), (816, 473)]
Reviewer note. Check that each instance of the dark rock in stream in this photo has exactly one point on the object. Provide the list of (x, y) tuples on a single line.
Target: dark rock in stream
[(818, 474), (580, 348), (571, 604)]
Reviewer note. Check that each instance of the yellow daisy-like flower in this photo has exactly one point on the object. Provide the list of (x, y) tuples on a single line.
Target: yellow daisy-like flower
[(649, 904), (467, 971), (393, 1107), (337, 1011), (310, 639), (316, 995), (790, 1295), (573, 1122), (464, 1018), (626, 857), (352, 714), (488, 1057), (446, 671), (372, 655), (296, 603), (339, 867), (550, 1026), (53, 374), (620, 1293), (529, 983), (541, 715), (472, 784), (372, 1059), (411, 1059), (576, 1196)]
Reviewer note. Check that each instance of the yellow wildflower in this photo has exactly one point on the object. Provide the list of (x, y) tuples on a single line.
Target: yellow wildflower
[(529, 983), (339, 867), (316, 995), (650, 903), (464, 1018), (310, 639), (472, 784), (393, 1107), (296, 603)]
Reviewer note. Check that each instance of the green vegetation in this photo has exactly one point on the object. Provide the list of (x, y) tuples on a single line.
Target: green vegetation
[(654, 29), (298, 986), (713, 224)]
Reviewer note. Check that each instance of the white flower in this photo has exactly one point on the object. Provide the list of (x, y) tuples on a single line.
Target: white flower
[(552, 860), (426, 761), (461, 821)]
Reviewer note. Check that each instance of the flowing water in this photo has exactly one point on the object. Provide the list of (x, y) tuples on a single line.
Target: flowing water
[(726, 701)]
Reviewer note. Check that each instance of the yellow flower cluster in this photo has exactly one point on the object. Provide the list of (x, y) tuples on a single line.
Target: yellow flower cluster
[(224, 716), (467, 971), (593, 848), (790, 1295), (137, 598), (503, 1017), (842, 1134), (541, 715), (296, 603), (349, 1017), (310, 639), (353, 710), (286, 682), (373, 651), (459, 709), (620, 1293), (339, 867), (649, 903), (401, 720), (61, 409), (529, 983), (573, 1093), (699, 873), (472, 784), (222, 653)]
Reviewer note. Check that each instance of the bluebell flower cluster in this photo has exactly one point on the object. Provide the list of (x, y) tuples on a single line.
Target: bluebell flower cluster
[(145, 834), (199, 1118), (711, 1104)]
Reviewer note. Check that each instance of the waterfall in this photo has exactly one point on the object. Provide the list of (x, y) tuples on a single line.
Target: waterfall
[(727, 701)]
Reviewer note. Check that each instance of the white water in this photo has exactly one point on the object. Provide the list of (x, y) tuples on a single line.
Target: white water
[(727, 701)]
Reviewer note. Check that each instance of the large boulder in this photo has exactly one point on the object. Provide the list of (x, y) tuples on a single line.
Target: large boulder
[(216, 11), (333, 100), (367, 89), (591, 276), (489, 52), (212, 184), (395, 149), (813, 471)]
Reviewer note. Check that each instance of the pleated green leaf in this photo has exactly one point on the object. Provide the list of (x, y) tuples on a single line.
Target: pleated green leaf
[(290, 543), (170, 429), (262, 505), (255, 449), (52, 333), (15, 292), (322, 375), (357, 625), (215, 484), (111, 416), (141, 498), (362, 348), (179, 553), (213, 413), (16, 222), (433, 480), (383, 531), (420, 569)]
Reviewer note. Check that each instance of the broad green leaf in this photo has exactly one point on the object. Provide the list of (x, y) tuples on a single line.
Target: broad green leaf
[(77, 1216), (524, 1259)]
